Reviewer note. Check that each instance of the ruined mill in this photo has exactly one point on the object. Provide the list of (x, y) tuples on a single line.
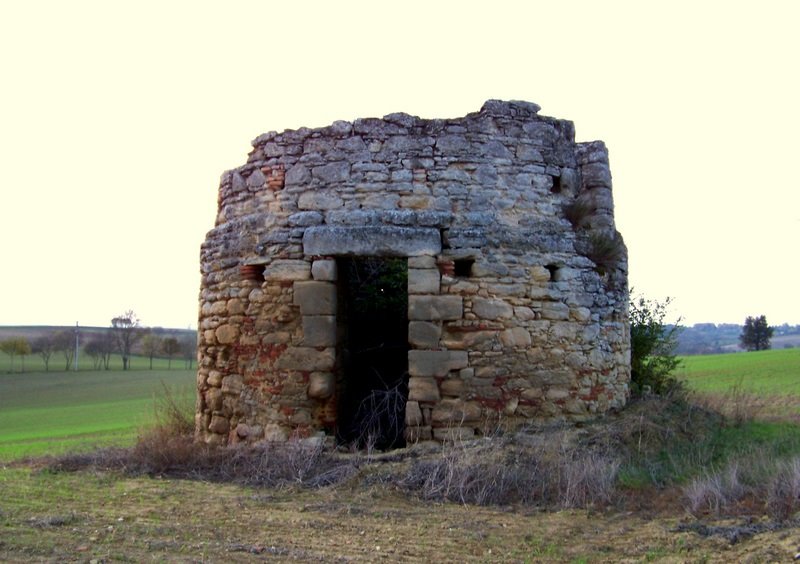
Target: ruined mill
[(403, 279)]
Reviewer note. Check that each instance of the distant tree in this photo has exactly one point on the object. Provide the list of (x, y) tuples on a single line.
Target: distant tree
[(44, 347), (92, 350), (16, 346), (188, 350), (170, 347), (64, 342), (126, 333), (151, 346), (756, 334), (100, 348), (653, 344), (23, 350)]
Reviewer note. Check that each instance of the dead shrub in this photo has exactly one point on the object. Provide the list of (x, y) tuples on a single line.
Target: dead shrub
[(497, 471), (579, 211), (715, 492), (587, 479), (783, 493), (605, 250)]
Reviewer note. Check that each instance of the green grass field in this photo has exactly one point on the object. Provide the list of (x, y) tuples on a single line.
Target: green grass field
[(772, 372), (55, 412), (34, 363)]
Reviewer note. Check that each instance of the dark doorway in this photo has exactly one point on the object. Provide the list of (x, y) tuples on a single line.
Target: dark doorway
[(373, 318)]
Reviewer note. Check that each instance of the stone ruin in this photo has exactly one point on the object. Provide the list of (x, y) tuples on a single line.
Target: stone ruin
[(402, 279)]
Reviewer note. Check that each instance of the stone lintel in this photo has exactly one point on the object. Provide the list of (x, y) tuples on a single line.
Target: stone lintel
[(375, 241)]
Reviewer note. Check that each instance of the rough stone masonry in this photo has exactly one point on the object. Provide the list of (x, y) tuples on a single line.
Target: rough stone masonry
[(515, 277)]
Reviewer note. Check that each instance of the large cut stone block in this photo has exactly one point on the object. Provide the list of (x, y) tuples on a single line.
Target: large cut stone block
[(555, 311), (413, 414), (287, 270), (320, 200), (423, 281), (492, 309), (456, 411), (315, 298), (319, 330), (423, 389), (435, 363), (434, 308), (381, 241), (424, 335), (324, 270)]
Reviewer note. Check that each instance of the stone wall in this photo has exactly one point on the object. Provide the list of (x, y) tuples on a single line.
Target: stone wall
[(517, 279)]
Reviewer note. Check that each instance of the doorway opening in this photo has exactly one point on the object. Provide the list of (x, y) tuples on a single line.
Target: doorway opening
[(373, 351)]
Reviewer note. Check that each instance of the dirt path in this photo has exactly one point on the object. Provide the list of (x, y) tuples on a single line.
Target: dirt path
[(82, 517)]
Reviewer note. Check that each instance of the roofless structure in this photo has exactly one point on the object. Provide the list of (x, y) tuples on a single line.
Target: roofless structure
[(405, 279)]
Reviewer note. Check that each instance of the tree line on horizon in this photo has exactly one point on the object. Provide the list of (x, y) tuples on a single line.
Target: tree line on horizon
[(124, 336)]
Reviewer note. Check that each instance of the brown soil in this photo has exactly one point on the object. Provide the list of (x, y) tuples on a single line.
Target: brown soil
[(104, 517)]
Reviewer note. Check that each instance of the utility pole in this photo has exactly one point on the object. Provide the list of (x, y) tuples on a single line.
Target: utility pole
[(77, 348)]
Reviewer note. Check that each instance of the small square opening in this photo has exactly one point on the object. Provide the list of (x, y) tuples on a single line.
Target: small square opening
[(556, 188), (553, 270), (253, 272), (463, 267)]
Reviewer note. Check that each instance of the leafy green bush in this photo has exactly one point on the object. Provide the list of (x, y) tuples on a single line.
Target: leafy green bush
[(653, 344)]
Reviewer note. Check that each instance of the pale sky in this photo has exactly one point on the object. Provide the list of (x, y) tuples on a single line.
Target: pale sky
[(118, 118)]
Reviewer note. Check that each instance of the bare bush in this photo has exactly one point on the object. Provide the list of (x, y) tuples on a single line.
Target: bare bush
[(783, 494), (381, 417), (715, 491), (587, 478), (496, 471)]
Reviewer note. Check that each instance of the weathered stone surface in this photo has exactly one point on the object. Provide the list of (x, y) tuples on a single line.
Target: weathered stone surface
[(455, 412), (424, 335), (331, 173), (433, 308), (321, 385), (435, 363), (213, 397), (226, 334), (287, 270), (413, 414), (555, 311), (315, 298), (421, 262), (423, 390), (232, 384), (492, 309), (371, 241), (324, 270), (467, 340), (219, 425), (423, 281), (322, 200), (306, 359), (453, 387), (319, 330)]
